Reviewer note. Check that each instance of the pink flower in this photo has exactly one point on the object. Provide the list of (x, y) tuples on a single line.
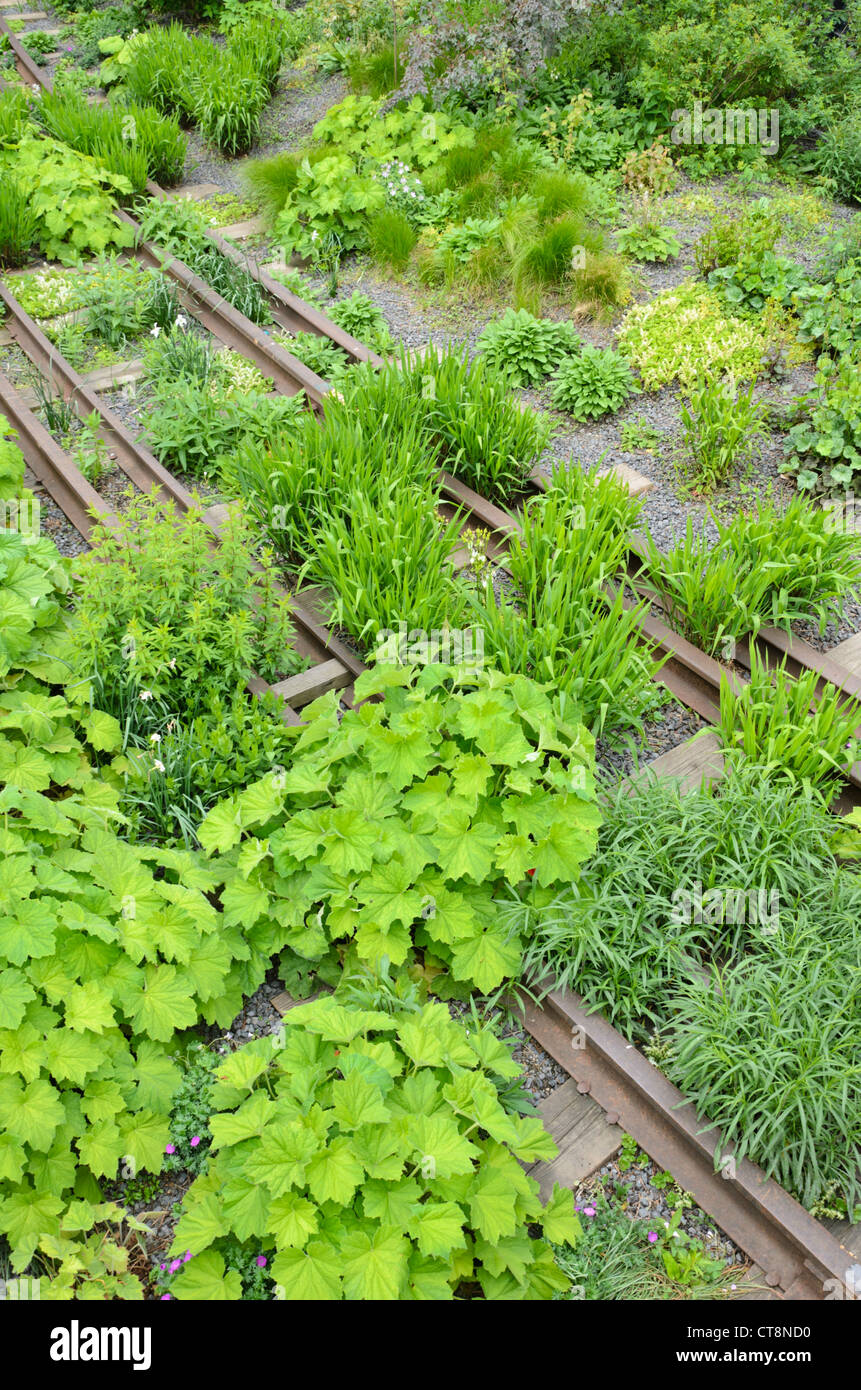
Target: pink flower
[(588, 1211), (186, 1257), (653, 1236), (170, 1148), (165, 1296), (174, 1266), (195, 1141), (261, 1261)]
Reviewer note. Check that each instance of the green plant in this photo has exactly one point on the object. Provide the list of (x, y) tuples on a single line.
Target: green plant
[(682, 877), (650, 170), (15, 116), (133, 140), (436, 763), (320, 354), (781, 724), (179, 620), (527, 349), (361, 317), (119, 52), (197, 761), (271, 181), (647, 240), (595, 382), (179, 355), (837, 156), (830, 313), (775, 565), (190, 1137), (39, 44), (756, 277), (179, 227), (781, 1016), (721, 429), (71, 198), (193, 428), (684, 333), (19, 224), (824, 450), (560, 624), (638, 434), (753, 230), (118, 300), (391, 239), (386, 1089), (90, 450), (44, 293), (618, 1258)]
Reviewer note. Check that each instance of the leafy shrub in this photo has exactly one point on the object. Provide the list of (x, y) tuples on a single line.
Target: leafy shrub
[(647, 240), (179, 227), (770, 723), (403, 189), (363, 319), (387, 1088), (329, 196), (560, 625), (776, 565), (320, 354), (685, 333), (831, 313), (838, 156), (447, 745), (179, 621), (583, 134), (721, 429), (755, 231), (593, 383), (824, 450), (527, 349), (190, 427), (650, 170), (118, 300), (356, 126), (755, 278), (71, 196)]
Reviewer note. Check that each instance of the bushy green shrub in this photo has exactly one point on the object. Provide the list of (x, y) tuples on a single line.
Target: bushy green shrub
[(593, 383), (71, 197), (685, 333), (527, 349)]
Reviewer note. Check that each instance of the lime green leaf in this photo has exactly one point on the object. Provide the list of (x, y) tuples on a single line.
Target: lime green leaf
[(374, 1264), (204, 1279), (309, 1275)]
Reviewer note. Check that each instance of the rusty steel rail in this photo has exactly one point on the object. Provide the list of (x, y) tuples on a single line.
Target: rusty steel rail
[(59, 476), (799, 1257)]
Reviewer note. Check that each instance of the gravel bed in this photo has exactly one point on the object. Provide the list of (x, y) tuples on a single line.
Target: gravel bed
[(645, 1202), (661, 734)]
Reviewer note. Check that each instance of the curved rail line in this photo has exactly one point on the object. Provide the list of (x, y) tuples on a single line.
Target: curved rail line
[(799, 1257)]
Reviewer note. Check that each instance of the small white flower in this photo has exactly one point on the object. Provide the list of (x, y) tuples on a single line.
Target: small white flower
[(181, 321), (155, 738), (145, 695), (172, 662), (154, 331), (159, 766)]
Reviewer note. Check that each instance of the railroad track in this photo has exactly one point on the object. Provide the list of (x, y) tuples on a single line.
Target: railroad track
[(613, 1088)]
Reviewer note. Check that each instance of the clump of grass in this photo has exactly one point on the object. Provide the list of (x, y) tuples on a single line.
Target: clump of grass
[(392, 239), (19, 225), (271, 181)]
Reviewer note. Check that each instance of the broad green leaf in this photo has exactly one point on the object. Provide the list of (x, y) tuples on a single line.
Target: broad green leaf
[(309, 1275), (204, 1279), (30, 1113), (437, 1227), (356, 1102), (334, 1173), (292, 1220), (374, 1263)]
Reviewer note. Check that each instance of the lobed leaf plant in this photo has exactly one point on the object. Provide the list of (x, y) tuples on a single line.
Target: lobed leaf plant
[(72, 198), (370, 1156), (396, 826)]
